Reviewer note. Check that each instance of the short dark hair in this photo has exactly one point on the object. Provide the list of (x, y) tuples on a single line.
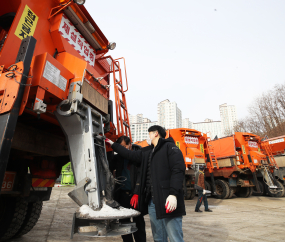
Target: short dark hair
[(202, 168), (123, 138), (159, 129)]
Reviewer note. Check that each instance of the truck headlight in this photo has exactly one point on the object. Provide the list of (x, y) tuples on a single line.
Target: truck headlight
[(112, 46), (79, 2)]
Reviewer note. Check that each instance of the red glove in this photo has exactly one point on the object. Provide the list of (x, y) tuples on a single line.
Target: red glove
[(134, 201), (108, 142), (167, 210)]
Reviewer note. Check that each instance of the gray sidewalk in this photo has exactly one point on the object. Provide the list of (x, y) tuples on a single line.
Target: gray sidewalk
[(237, 219)]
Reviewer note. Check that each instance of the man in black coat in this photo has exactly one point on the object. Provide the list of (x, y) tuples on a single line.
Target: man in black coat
[(160, 184), (128, 174)]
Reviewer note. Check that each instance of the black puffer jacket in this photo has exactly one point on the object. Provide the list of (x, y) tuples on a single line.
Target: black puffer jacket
[(117, 163), (167, 175)]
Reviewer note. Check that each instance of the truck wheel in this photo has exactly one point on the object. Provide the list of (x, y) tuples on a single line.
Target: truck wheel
[(32, 217), (208, 187), (243, 192), (193, 194), (250, 192), (284, 190), (281, 186), (12, 214), (275, 194), (232, 190), (222, 188), (261, 186), (190, 194)]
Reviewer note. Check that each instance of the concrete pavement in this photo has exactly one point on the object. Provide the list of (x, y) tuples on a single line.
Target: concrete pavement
[(236, 219)]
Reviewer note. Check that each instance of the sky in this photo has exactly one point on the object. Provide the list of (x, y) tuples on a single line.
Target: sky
[(198, 53)]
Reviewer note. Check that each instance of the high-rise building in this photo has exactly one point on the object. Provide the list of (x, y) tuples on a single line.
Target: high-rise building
[(213, 127), (169, 115), (228, 116), (146, 120), (139, 127), (187, 124), (136, 118), (139, 131)]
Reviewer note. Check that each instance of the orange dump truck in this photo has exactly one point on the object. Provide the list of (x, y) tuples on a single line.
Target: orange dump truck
[(192, 143), (276, 147), (55, 107), (240, 159)]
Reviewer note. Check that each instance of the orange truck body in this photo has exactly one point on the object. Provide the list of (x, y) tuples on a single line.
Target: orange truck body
[(276, 146), (242, 162), (68, 57), (192, 145), (62, 57), (244, 148), (189, 141)]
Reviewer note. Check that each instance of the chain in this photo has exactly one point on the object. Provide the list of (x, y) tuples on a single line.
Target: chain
[(11, 74)]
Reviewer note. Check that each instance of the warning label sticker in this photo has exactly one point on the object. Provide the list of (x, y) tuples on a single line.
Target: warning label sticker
[(62, 83), (52, 74), (202, 148), (191, 140), (76, 40), (252, 144), (276, 141), (27, 24)]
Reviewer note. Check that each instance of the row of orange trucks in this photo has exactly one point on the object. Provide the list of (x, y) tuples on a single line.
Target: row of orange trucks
[(241, 164), (56, 77)]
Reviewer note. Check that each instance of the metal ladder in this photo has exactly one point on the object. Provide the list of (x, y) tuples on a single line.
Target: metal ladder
[(123, 124), (212, 156), (84, 130), (268, 177), (268, 152), (213, 161)]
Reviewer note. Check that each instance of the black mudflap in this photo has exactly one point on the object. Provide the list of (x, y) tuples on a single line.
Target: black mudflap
[(8, 121)]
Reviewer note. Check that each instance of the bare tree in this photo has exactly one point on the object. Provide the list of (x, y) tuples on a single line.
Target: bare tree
[(267, 114)]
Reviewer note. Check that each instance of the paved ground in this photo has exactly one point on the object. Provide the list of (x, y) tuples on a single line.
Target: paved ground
[(237, 219)]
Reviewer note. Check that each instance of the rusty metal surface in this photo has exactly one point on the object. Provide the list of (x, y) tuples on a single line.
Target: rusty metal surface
[(94, 97), (30, 139)]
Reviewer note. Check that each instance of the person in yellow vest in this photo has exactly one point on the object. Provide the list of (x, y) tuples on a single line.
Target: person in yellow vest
[(202, 192)]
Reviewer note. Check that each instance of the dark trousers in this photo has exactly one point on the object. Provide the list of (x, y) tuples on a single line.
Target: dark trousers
[(140, 235), (201, 198)]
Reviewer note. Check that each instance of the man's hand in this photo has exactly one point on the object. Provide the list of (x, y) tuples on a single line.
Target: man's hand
[(204, 192), (109, 142), (134, 201), (171, 203)]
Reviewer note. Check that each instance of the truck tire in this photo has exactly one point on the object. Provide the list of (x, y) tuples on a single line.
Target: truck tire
[(278, 194), (208, 187), (261, 186), (243, 192), (222, 188), (250, 192), (193, 194), (32, 217), (232, 191), (12, 215), (190, 194)]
